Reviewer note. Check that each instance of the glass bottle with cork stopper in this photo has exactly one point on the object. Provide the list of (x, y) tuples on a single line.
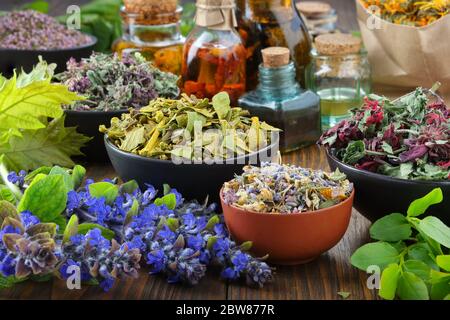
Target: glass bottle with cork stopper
[(280, 100), (214, 56), (340, 74), (273, 23), (152, 27)]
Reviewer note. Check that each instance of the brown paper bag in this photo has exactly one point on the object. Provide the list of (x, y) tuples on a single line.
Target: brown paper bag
[(406, 56)]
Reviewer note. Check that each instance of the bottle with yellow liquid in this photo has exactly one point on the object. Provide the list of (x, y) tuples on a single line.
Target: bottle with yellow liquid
[(154, 31), (340, 74)]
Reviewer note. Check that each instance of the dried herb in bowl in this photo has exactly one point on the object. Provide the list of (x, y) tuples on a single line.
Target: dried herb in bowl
[(31, 30), (281, 188), (407, 138), (110, 83), (190, 128)]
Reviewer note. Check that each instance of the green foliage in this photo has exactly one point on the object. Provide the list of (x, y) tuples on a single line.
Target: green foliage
[(47, 146), (105, 190), (37, 5), (78, 173), (71, 228), (393, 227), (46, 199), (101, 19), (354, 152), (32, 132), (86, 227), (419, 206), (169, 200), (410, 254)]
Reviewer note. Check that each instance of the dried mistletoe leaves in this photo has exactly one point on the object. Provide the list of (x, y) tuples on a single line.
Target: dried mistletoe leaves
[(190, 128)]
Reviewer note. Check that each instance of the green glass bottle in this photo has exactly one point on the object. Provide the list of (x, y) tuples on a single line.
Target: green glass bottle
[(280, 100)]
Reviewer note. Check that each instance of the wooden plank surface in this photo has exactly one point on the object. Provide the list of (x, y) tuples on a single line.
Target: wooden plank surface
[(320, 279)]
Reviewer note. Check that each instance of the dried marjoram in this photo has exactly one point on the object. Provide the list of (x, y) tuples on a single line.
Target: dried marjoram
[(110, 83), (189, 128), (282, 188)]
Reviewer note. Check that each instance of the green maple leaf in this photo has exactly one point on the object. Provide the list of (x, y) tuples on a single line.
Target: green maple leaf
[(26, 101), (53, 144)]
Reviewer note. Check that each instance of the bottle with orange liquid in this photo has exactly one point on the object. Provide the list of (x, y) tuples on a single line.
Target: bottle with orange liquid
[(214, 57)]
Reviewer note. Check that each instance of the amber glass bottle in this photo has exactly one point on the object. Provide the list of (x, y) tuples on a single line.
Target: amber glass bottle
[(272, 23)]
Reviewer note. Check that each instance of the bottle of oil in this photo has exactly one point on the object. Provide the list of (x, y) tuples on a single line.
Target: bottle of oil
[(340, 74), (153, 29), (214, 56), (281, 101), (272, 23)]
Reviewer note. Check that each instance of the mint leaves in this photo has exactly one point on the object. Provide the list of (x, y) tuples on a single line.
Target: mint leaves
[(411, 252)]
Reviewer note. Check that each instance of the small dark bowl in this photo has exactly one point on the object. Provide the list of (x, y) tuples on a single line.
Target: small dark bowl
[(194, 181), (25, 59), (87, 123), (378, 195)]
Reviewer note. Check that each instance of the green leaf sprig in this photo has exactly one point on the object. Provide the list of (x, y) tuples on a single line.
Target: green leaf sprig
[(411, 252)]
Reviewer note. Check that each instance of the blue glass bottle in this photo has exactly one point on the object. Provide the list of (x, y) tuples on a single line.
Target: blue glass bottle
[(281, 102)]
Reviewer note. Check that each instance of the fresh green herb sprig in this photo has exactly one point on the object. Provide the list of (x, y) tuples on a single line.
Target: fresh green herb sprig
[(411, 252)]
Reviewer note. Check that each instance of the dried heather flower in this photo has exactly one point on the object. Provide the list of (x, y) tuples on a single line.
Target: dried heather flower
[(31, 30)]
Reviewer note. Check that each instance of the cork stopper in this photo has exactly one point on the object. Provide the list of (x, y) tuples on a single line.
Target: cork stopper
[(337, 44), (150, 6), (313, 8), (275, 57)]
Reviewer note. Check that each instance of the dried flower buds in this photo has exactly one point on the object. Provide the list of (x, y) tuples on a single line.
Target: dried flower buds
[(275, 188)]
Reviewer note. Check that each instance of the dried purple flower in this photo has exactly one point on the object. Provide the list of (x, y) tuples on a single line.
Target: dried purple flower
[(31, 30)]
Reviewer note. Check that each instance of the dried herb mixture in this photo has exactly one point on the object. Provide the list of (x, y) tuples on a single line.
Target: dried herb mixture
[(189, 128), (31, 30), (109, 83), (280, 188), (416, 13), (407, 138)]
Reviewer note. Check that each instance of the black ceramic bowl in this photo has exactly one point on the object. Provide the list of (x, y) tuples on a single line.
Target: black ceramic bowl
[(378, 195), (87, 123), (25, 59), (194, 181)]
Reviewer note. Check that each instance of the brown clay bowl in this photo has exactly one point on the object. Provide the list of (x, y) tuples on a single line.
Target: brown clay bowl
[(289, 239)]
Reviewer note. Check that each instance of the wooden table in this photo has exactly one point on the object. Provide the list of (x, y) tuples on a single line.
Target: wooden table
[(320, 279)]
